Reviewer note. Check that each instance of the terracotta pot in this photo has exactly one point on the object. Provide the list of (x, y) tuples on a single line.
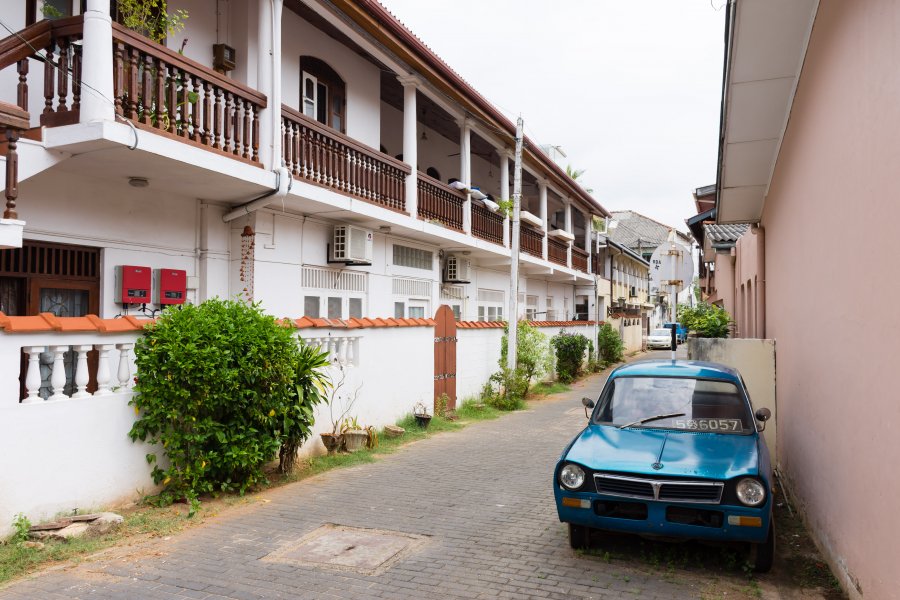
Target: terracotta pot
[(355, 439), (332, 441)]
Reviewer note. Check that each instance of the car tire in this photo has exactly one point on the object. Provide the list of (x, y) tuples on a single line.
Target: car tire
[(579, 537), (762, 555)]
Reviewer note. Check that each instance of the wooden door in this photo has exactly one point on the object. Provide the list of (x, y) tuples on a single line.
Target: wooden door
[(445, 355)]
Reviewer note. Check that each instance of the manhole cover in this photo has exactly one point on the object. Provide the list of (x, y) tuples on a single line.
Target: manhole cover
[(367, 551)]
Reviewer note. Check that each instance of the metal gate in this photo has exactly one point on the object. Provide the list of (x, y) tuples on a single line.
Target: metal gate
[(445, 355)]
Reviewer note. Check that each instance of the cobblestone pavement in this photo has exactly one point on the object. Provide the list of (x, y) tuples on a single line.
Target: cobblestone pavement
[(482, 496)]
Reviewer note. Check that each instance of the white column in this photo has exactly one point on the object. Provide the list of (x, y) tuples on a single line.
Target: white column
[(266, 50), (97, 64), (504, 191), (465, 170), (123, 373), (33, 374), (542, 195), (58, 373), (274, 91), (103, 374), (81, 371), (411, 143), (588, 247)]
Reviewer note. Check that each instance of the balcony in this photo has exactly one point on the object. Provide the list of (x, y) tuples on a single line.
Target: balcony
[(487, 225), (579, 259), (439, 202), (557, 252), (320, 155), (155, 88), (531, 241)]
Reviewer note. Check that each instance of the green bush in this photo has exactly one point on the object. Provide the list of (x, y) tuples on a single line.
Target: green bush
[(570, 349), (506, 389), (706, 320), (610, 345), (221, 386), (533, 355)]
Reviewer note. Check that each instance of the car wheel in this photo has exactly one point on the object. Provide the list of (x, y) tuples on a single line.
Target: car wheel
[(762, 555), (579, 536)]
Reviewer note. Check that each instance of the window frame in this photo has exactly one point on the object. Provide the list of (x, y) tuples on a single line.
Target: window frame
[(334, 105)]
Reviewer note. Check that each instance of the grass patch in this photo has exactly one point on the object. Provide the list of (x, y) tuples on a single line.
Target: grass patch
[(550, 387), (17, 560), (475, 410)]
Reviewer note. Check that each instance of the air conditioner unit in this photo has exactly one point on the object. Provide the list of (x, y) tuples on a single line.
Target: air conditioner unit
[(351, 245), (456, 269)]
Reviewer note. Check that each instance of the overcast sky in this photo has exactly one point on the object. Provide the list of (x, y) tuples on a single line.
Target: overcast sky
[(629, 89)]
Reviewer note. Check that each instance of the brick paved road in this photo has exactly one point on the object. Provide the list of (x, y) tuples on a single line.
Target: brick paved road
[(482, 495)]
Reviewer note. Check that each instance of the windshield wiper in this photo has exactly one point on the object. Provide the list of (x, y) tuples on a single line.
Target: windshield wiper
[(653, 418)]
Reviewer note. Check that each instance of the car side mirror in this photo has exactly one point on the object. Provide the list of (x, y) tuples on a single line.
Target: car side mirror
[(588, 404), (763, 415)]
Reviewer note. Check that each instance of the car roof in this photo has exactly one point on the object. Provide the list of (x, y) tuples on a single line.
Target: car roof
[(677, 368)]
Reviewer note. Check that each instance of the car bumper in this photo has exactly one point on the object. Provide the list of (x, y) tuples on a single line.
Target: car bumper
[(667, 519), (666, 344)]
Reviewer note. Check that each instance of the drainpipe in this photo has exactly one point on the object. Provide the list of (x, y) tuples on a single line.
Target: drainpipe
[(270, 78), (760, 287), (282, 186)]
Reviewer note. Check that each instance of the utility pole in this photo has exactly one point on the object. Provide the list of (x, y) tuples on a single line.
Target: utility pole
[(513, 336)]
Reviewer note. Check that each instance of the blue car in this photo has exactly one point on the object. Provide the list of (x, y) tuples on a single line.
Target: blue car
[(672, 450)]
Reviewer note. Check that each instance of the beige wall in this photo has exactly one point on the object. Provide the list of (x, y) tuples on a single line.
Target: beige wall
[(831, 221)]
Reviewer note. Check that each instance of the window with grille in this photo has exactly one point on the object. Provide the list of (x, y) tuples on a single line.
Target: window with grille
[(355, 306), (490, 304), (311, 307), (404, 256)]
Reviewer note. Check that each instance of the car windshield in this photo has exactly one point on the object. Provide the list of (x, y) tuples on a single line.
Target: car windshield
[(703, 405), (660, 332)]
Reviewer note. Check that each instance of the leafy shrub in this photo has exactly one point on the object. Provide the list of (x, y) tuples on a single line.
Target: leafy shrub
[(311, 384), (533, 355), (610, 345), (706, 320), (21, 524), (570, 349), (221, 386), (506, 389)]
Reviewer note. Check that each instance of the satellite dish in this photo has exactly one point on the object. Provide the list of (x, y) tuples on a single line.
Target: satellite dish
[(671, 265)]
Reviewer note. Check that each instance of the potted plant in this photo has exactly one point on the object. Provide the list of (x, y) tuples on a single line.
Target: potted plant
[(421, 415), (334, 439), (355, 437)]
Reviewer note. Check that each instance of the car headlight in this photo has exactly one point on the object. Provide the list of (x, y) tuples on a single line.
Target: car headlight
[(751, 492), (571, 476)]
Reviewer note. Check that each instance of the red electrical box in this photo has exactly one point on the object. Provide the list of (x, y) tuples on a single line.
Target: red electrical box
[(134, 284), (171, 286)]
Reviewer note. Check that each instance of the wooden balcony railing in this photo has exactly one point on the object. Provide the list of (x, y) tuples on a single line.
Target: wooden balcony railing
[(557, 252), (321, 155), (54, 43), (13, 121), (160, 89), (439, 202), (579, 259), (531, 240), (487, 225)]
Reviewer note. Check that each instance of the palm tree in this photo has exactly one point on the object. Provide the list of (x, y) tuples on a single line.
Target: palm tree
[(575, 174)]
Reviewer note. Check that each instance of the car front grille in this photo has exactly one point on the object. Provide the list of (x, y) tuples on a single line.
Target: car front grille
[(667, 490)]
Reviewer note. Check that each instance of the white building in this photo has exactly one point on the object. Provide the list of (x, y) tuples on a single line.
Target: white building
[(306, 168)]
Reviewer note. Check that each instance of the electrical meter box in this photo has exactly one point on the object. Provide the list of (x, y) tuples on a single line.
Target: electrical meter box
[(171, 286), (134, 284)]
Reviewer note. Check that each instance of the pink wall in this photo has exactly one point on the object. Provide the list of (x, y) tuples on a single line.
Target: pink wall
[(831, 220), (749, 285)]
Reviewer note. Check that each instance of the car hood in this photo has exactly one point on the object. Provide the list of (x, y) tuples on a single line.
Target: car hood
[(681, 453)]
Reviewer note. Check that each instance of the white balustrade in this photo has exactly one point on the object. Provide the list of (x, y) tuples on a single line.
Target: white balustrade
[(81, 371), (33, 374), (124, 373), (340, 350), (66, 367), (58, 376), (103, 373)]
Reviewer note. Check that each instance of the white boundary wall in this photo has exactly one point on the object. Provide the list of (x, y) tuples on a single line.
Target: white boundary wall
[(76, 453)]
